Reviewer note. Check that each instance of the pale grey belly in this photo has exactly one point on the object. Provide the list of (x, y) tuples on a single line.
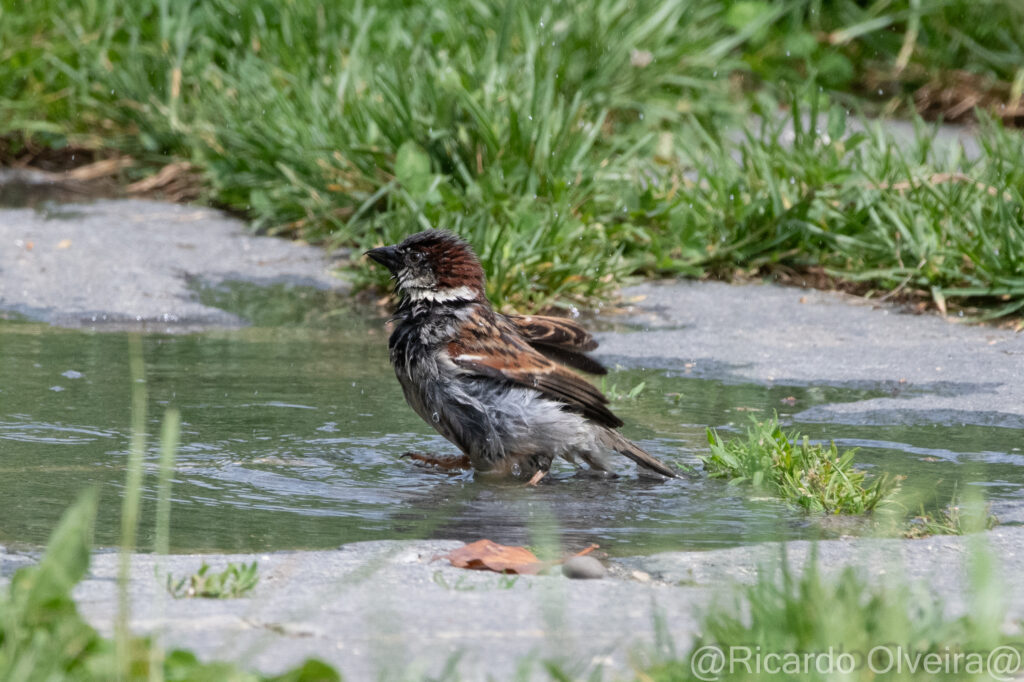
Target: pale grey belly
[(499, 426)]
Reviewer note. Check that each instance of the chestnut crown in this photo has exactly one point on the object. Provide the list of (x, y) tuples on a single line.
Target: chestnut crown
[(434, 265)]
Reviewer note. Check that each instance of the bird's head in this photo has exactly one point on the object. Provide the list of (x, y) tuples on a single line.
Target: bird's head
[(435, 266)]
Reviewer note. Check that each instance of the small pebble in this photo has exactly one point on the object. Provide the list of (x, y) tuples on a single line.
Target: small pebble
[(583, 567), (641, 576)]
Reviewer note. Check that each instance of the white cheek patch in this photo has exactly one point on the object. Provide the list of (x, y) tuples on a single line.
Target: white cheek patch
[(462, 293), (407, 280)]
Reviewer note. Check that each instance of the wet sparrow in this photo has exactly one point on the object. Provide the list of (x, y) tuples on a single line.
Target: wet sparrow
[(497, 386)]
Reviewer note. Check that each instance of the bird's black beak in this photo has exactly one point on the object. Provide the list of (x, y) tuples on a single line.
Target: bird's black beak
[(387, 256)]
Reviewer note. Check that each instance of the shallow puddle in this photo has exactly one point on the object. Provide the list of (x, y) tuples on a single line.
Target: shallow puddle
[(293, 428)]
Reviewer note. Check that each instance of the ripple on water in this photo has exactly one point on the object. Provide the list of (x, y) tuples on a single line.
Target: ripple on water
[(28, 431)]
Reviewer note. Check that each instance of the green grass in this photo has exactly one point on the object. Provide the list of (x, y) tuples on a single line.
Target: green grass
[(956, 518), (806, 474), (822, 479), (616, 394), (573, 144), (236, 580), (892, 45), (840, 621), (906, 220)]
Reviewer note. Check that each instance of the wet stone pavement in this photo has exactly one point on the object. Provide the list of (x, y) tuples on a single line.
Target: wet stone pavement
[(392, 609)]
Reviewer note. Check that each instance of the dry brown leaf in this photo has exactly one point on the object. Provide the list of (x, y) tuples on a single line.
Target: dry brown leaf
[(485, 555), (170, 173), (98, 169)]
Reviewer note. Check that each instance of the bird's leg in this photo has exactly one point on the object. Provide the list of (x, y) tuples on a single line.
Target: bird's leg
[(446, 463), (537, 475)]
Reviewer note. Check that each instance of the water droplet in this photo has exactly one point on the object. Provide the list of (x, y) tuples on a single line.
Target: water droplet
[(436, 417)]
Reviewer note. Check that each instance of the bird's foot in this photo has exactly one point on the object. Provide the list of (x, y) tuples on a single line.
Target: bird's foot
[(445, 463), (535, 479)]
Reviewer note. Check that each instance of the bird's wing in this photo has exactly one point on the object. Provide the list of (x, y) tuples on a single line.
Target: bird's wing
[(560, 340), (492, 346)]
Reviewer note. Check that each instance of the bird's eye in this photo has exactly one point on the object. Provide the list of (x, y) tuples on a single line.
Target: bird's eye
[(416, 256)]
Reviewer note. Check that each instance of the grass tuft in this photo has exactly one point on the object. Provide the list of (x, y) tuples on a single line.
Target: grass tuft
[(236, 580), (617, 395), (811, 476), (959, 517), (820, 627)]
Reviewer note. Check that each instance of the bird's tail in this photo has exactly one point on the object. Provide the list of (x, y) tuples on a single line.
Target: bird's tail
[(626, 447)]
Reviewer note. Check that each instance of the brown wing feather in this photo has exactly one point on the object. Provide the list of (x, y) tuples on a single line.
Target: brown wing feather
[(560, 340), (554, 331), (498, 351)]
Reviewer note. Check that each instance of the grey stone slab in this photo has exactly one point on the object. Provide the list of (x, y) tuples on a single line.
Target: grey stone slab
[(391, 610), (128, 263), (394, 610), (938, 370)]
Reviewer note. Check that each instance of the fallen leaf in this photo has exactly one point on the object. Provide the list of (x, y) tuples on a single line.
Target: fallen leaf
[(64, 244), (789, 400), (99, 169), (485, 555)]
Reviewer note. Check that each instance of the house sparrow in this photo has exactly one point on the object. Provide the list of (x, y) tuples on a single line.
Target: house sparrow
[(497, 386)]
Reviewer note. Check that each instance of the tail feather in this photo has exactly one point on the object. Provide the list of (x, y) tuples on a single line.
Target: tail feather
[(626, 447)]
